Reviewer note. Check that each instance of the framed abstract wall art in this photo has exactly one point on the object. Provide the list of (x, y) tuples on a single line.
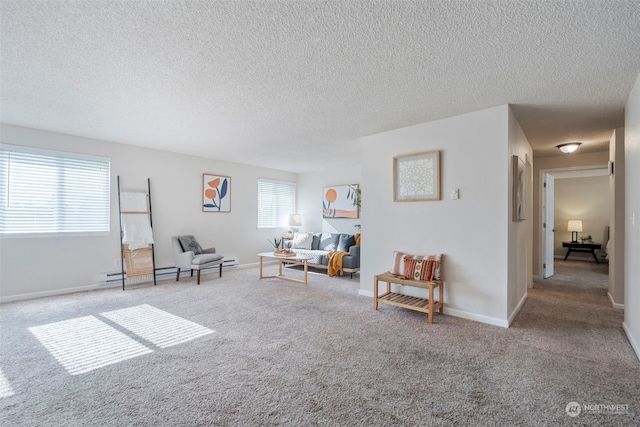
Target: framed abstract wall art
[(518, 189), (416, 177), (340, 201), (216, 193)]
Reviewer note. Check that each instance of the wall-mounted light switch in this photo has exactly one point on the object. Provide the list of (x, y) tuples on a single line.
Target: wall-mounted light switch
[(455, 194)]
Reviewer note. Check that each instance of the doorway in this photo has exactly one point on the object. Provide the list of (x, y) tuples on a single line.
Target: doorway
[(580, 194)]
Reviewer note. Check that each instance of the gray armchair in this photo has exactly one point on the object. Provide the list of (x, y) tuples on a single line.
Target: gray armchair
[(187, 253)]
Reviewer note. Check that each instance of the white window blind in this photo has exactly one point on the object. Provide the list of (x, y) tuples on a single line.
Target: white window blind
[(276, 201), (52, 192)]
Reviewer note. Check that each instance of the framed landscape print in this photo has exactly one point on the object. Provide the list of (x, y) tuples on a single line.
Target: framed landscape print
[(416, 177), (340, 201), (216, 193)]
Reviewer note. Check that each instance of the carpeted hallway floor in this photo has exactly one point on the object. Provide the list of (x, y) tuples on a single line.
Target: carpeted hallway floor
[(245, 352)]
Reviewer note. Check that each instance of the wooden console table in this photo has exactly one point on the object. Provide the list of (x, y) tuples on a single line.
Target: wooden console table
[(582, 247), (424, 305)]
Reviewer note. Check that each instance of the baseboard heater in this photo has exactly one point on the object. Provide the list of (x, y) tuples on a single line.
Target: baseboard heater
[(165, 273)]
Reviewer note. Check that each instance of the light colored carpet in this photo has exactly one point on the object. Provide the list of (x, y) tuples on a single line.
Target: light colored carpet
[(579, 274), (288, 354)]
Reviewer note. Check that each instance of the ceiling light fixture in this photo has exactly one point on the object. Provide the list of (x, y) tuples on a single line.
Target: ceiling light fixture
[(569, 147)]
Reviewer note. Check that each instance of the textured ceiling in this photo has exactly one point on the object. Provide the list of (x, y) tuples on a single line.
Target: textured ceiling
[(293, 85)]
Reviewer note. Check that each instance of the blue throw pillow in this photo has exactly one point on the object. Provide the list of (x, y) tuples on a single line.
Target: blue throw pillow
[(329, 242), (345, 242)]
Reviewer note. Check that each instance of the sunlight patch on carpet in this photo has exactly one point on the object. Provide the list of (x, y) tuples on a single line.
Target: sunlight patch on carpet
[(83, 344), (157, 326), (5, 387)]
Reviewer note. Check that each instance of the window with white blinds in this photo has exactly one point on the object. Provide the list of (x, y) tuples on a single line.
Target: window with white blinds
[(276, 201), (46, 192)]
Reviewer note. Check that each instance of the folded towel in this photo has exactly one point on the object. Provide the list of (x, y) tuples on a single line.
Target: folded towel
[(136, 227), (137, 231), (133, 202), (335, 262)]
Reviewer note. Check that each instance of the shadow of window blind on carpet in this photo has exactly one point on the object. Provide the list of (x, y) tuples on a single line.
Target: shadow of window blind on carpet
[(157, 326), (83, 344)]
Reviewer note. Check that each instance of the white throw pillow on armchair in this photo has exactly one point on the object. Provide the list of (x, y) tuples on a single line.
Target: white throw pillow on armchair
[(302, 240)]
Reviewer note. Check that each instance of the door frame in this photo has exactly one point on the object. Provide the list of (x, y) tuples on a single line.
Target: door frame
[(580, 171), (548, 211)]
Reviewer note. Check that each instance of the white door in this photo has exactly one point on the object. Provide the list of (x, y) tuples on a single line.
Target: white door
[(548, 227)]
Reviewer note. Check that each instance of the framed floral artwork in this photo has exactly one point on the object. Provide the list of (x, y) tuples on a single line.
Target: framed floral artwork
[(340, 201), (216, 193), (416, 177)]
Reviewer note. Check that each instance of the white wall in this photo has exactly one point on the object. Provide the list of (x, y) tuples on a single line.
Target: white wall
[(631, 322), (44, 266), (310, 197), (562, 161), (473, 232), (587, 199), (617, 216), (520, 261)]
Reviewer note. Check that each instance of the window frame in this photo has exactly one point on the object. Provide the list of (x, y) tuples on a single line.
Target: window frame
[(57, 158), (294, 187)]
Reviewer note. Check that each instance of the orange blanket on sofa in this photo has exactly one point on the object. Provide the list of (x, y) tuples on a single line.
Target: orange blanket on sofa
[(335, 262)]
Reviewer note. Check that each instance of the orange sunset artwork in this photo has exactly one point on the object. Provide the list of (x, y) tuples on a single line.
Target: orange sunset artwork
[(338, 202)]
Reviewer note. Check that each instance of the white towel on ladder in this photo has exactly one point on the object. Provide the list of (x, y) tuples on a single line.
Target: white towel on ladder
[(133, 202), (136, 227)]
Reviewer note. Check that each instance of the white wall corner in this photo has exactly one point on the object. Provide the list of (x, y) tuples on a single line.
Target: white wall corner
[(634, 344), (631, 323), (365, 293), (459, 313), (474, 267), (515, 312), (503, 323), (613, 303)]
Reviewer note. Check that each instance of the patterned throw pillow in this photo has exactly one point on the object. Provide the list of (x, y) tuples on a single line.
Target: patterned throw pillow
[(419, 269), (399, 266), (302, 240), (189, 243), (329, 241)]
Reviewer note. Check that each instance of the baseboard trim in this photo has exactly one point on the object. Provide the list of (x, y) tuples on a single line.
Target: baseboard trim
[(458, 313), (63, 291), (613, 303), (255, 264), (55, 292), (477, 317), (365, 293), (516, 310), (634, 345)]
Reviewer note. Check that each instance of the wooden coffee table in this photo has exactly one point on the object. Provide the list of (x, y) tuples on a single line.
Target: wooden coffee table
[(298, 259)]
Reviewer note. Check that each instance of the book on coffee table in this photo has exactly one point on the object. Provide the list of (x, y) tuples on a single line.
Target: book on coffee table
[(284, 253)]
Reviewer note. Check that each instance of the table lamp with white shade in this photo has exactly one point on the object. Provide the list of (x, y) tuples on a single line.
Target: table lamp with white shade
[(295, 221), (575, 226)]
